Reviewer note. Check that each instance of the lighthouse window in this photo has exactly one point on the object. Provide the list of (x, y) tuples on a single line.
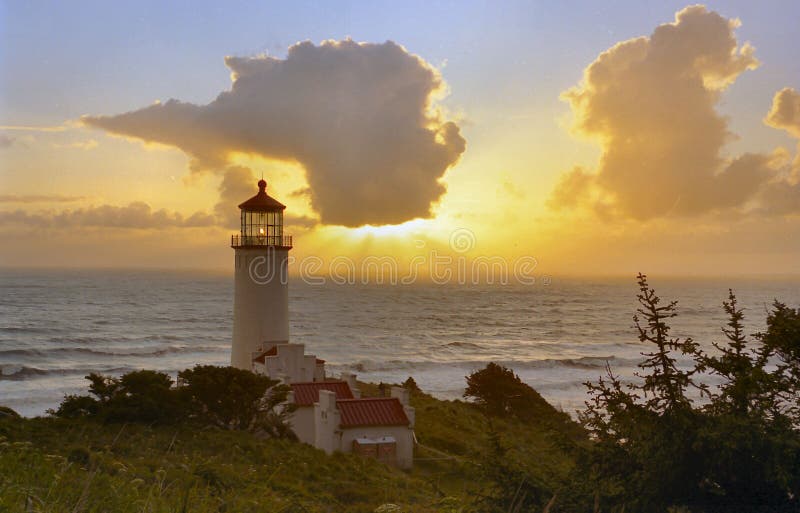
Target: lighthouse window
[(262, 227)]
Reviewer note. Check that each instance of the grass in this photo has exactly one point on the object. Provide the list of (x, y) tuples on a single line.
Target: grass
[(64, 465)]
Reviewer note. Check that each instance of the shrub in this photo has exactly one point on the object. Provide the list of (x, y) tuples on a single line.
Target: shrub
[(656, 449), (500, 392), (224, 397), (138, 396), (143, 396), (6, 412), (74, 406)]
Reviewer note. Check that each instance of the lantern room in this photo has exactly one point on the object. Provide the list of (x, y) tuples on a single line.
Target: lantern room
[(261, 222)]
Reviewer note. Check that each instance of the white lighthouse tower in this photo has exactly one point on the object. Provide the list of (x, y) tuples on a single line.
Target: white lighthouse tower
[(261, 298)]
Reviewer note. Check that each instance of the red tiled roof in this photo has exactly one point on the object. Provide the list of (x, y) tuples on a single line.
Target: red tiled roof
[(273, 351), (262, 358), (306, 394), (373, 411), (262, 202)]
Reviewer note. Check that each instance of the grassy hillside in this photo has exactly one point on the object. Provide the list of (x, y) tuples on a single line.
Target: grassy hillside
[(71, 465)]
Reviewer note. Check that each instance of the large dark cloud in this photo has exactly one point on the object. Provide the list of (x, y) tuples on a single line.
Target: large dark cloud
[(651, 103), (359, 117), (237, 185)]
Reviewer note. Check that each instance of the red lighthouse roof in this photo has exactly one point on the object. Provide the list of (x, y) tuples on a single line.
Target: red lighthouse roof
[(262, 202)]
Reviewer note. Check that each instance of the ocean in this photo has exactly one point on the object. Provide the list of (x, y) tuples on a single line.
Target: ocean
[(56, 326)]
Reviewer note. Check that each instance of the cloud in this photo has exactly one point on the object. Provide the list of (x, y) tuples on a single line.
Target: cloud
[(38, 198), (299, 223), (80, 145), (236, 186), (56, 128), (650, 102), (136, 215), (510, 190), (785, 114), (785, 111), (359, 117), (572, 189), (782, 197)]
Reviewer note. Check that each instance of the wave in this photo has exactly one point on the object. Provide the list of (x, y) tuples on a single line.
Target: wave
[(22, 372), (27, 329), (585, 362), (76, 351), (103, 338), (467, 345)]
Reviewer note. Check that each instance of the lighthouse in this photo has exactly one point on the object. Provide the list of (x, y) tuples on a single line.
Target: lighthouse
[(329, 414), (261, 297)]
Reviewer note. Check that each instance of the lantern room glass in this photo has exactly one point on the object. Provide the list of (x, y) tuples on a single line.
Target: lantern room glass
[(262, 227)]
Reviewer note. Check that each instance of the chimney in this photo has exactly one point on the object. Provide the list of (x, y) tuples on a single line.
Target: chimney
[(350, 378), (402, 394), (327, 400)]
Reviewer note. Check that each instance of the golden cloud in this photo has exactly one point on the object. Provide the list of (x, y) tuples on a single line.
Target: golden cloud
[(785, 111), (650, 102), (136, 215), (359, 117), (39, 198)]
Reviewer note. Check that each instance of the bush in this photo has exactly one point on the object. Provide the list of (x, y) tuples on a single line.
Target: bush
[(143, 396), (657, 450), (499, 392), (224, 397), (6, 412), (138, 396), (74, 406)]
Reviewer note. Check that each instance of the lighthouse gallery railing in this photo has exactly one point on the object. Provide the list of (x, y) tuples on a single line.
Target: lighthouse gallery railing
[(243, 241)]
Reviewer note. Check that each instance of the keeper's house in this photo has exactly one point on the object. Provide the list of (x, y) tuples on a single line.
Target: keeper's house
[(380, 427)]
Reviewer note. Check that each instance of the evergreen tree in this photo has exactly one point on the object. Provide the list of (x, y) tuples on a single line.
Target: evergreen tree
[(781, 341), (747, 387), (665, 384), (740, 452)]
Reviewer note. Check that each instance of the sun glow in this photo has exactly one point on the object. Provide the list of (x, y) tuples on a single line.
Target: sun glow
[(392, 230)]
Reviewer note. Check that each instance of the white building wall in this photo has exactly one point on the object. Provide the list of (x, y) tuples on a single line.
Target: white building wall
[(326, 423), (309, 367), (403, 434), (291, 362), (330, 437), (319, 371), (302, 422), (261, 302)]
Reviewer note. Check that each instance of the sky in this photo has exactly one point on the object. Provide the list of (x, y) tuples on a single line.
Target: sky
[(589, 138)]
